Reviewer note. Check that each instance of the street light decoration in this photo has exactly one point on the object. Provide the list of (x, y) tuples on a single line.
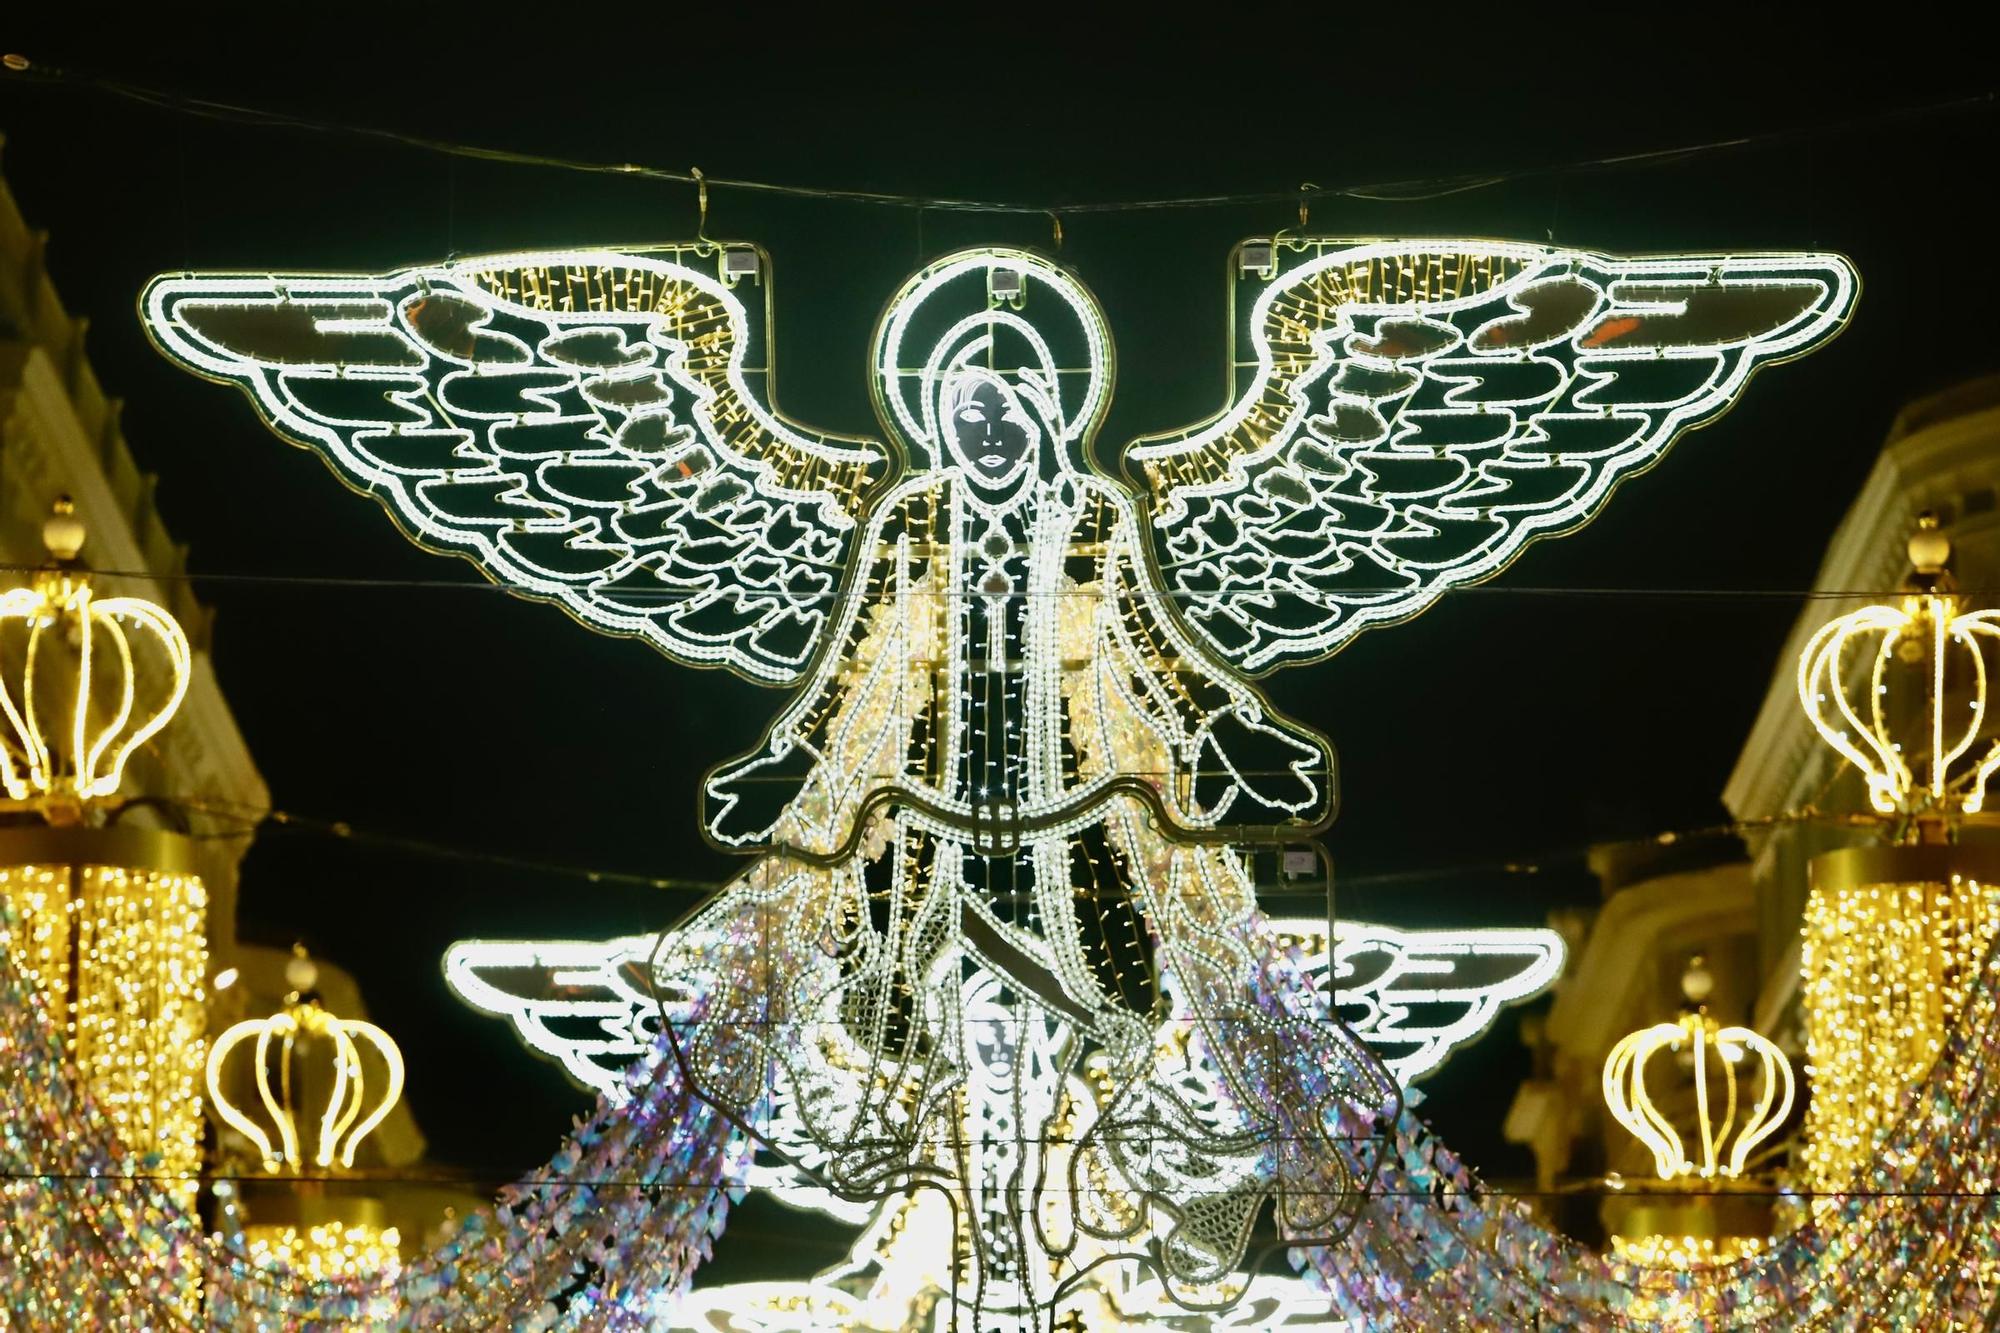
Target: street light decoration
[(1895, 932), (84, 680), (106, 919), (1702, 1207), (1726, 1126), (1900, 691), (289, 1128)]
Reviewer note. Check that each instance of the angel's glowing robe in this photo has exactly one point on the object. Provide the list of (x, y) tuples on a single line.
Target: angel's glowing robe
[(970, 797)]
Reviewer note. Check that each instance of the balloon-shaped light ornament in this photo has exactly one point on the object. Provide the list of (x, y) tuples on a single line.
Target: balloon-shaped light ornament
[(316, 1097), (84, 680), (1899, 690), (1729, 1091), (1725, 1063)]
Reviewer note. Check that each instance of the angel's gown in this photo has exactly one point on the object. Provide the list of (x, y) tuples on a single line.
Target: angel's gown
[(989, 952)]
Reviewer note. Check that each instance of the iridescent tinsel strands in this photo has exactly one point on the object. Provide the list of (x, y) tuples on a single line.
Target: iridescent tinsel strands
[(611, 1229), (1915, 1246), (614, 1226)]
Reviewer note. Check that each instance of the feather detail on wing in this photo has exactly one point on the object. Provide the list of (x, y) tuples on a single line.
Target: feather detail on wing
[(591, 429), (589, 1006), (1415, 996), (596, 1006), (1406, 416)]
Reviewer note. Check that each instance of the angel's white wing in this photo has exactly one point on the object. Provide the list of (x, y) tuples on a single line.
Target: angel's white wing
[(592, 429), (1415, 996), (595, 1006), (1405, 416), (589, 1006)]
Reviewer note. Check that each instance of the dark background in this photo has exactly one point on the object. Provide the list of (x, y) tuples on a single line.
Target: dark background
[(1505, 726)]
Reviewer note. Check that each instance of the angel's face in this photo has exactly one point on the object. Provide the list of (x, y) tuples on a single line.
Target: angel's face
[(992, 432)]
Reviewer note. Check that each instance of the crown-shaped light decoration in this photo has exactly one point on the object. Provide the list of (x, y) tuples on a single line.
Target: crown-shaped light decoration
[(307, 1060), (1725, 1128), (80, 690), (1900, 691)]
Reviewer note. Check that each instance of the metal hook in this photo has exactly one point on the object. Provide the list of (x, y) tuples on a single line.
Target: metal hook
[(1055, 221), (701, 203), (1305, 209)]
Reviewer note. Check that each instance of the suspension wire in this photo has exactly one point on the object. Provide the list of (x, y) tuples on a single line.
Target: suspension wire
[(251, 818), (1406, 190), (668, 596)]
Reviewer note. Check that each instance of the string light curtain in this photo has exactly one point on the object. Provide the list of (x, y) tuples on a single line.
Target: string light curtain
[(613, 1227), (1894, 934), (119, 952), (1887, 967)]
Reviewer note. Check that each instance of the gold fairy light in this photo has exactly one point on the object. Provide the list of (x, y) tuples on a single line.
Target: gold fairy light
[(322, 1084), (84, 680), (118, 954), (326, 1249), (1685, 1251), (1893, 934), (108, 922), (1742, 1089), (1887, 969), (340, 1100)]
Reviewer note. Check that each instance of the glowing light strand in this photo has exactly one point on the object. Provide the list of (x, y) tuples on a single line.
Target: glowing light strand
[(1408, 415), (1000, 704), (1915, 1247)]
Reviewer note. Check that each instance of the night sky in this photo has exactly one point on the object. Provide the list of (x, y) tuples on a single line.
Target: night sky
[(1508, 725)]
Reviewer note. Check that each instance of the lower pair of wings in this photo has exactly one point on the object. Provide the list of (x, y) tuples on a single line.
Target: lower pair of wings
[(598, 429), (1413, 996)]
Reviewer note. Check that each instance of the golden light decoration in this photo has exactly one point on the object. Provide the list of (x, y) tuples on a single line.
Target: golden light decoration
[(110, 921), (1886, 969), (78, 693), (342, 1103), (1742, 1093), (1726, 1126), (1685, 1251), (111, 927), (1894, 933), (326, 1249), (1899, 691)]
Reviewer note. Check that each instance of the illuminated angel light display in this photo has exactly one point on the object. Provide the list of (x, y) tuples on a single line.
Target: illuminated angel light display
[(995, 831)]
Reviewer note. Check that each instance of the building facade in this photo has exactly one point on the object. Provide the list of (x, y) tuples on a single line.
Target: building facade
[(1739, 907), (60, 435)]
